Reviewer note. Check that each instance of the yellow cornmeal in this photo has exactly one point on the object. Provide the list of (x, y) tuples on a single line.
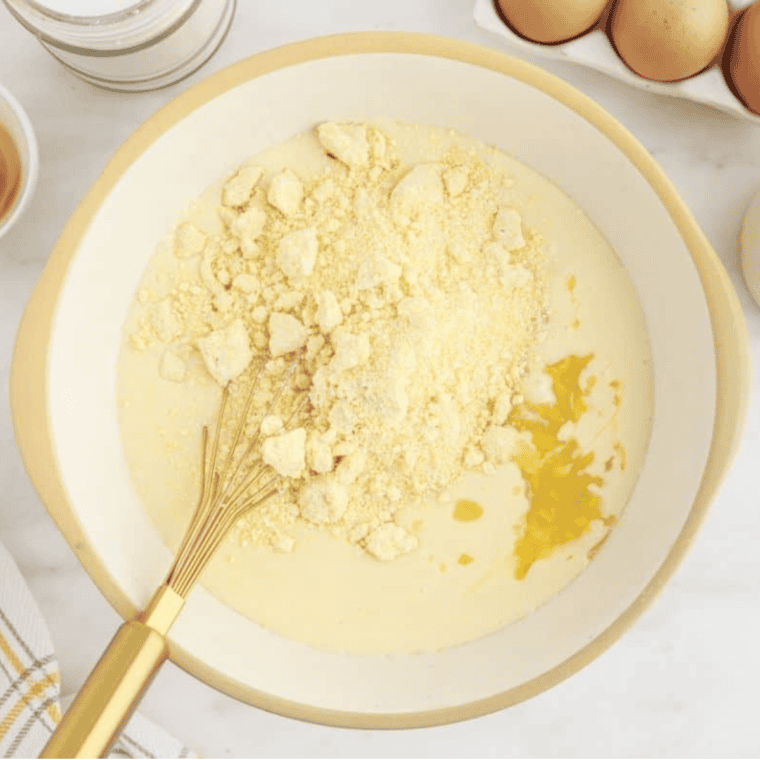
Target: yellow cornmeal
[(412, 299)]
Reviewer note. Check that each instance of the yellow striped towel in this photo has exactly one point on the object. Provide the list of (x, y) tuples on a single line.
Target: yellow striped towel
[(30, 704)]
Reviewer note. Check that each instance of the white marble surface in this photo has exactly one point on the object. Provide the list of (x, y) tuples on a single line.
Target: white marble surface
[(682, 682)]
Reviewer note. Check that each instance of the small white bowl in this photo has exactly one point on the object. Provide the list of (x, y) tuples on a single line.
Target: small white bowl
[(14, 119)]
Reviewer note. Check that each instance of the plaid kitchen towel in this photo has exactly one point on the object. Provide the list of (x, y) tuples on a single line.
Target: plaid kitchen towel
[(30, 704)]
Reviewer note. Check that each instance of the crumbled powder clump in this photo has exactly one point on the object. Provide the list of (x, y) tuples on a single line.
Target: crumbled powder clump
[(412, 300)]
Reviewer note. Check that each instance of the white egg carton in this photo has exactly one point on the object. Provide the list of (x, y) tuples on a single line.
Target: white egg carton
[(595, 51)]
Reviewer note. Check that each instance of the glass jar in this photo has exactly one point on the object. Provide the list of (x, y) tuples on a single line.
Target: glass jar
[(127, 44)]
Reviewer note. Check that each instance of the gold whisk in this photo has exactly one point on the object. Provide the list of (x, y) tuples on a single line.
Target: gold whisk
[(117, 683)]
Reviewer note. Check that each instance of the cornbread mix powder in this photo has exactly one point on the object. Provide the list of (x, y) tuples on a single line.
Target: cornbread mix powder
[(418, 298), (388, 272)]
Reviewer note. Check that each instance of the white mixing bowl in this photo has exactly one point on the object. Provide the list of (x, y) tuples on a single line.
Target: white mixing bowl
[(64, 370)]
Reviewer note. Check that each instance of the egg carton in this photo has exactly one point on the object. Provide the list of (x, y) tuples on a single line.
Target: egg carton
[(594, 50)]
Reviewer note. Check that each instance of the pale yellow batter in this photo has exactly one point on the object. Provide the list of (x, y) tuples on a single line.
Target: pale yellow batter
[(461, 581)]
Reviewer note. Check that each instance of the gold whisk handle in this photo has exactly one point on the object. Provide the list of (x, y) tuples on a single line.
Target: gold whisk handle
[(117, 683), (112, 690)]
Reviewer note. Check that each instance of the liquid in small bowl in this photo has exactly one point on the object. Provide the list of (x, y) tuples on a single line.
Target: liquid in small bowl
[(19, 160), (10, 173)]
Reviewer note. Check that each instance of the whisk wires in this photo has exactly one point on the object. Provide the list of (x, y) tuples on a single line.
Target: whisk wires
[(227, 493)]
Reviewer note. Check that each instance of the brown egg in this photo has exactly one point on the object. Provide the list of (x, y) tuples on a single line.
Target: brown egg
[(742, 63), (551, 21), (668, 40)]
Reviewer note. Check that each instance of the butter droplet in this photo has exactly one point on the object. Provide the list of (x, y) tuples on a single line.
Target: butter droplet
[(466, 511)]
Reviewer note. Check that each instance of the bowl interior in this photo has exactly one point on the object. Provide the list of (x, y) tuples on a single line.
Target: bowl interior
[(228, 124)]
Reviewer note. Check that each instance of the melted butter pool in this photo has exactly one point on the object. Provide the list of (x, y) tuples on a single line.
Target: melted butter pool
[(562, 502)]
